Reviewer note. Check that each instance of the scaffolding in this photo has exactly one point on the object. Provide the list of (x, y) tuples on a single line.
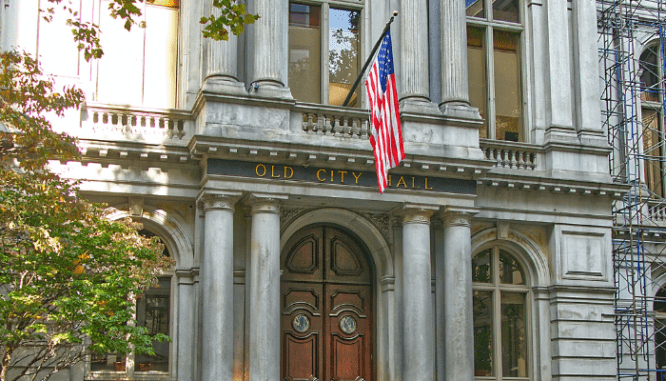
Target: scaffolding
[(632, 60)]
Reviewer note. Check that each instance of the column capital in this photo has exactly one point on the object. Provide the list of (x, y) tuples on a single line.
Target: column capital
[(266, 202), (455, 216), (218, 200), (417, 213)]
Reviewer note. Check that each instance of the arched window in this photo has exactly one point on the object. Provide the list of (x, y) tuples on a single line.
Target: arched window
[(500, 316), (651, 76), (153, 311)]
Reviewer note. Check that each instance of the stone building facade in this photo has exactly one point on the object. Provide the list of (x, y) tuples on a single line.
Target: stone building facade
[(488, 257)]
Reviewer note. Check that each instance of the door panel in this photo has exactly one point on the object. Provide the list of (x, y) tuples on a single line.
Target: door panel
[(326, 307)]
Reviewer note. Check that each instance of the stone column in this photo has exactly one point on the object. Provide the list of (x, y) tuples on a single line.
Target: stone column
[(453, 35), (186, 324), (265, 288), (270, 47), (414, 86), (417, 299), (220, 61), (455, 292), (217, 288)]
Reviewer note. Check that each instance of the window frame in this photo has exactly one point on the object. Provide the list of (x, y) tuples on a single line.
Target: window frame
[(489, 26), (325, 6), (658, 107), (495, 287), (129, 372)]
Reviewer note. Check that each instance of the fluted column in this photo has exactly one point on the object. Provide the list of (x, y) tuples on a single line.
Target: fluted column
[(413, 23), (417, 299), (270, 46), (455, 292), (186, 324), (453, 36), (217, 288), (220, 57), (265, 288)]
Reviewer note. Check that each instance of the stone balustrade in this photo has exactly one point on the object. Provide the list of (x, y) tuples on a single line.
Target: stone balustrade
[(511, 155), (140, 125), (334, 122)]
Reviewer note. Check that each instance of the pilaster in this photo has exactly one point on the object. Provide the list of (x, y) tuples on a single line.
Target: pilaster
[(270, 48)]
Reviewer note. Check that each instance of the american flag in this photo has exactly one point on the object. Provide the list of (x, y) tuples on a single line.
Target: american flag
[(386, 137)]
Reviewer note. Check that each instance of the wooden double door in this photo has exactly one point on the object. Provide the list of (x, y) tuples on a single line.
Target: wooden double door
[(326, 293)]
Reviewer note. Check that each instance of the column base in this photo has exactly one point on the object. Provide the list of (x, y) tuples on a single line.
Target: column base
[(419, 106), (561, 134), (459, 110), (270, 89), (223, 85)]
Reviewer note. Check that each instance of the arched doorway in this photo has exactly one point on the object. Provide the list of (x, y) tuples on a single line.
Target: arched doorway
[(326, 292)]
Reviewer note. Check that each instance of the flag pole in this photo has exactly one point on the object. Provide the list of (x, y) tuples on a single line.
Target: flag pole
[(367, 62)]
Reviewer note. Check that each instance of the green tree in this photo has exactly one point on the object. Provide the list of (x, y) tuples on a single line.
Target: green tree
[(68, 275)]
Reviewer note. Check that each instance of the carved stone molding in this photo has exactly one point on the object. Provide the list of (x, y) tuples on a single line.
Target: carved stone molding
[(417, 214), (218, 201), (387, 283), (288, 214), (266, 203), (382, 221)]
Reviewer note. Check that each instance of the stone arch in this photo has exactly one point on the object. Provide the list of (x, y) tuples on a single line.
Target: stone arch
[(522, 247), (167, 227), (366, 232)]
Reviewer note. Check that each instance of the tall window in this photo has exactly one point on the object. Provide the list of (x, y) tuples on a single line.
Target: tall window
[(651, 74), (500, 316), (494, 59), (153, 311), (139, 67), (324, 51)]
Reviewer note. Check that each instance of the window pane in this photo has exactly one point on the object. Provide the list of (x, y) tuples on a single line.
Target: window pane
[(305, 53), (483, 333), (161, 57), (475, 8), (660, 343), (343, 55), (506, 10), (514, 342), (508, 95), (510, 271), (107, 362), (652, 149), (481, 267), (153, 312), (649, 73), (660, 301), (476, 67)]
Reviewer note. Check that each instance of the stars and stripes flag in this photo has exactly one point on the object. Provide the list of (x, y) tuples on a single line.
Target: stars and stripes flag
[(386, 136)]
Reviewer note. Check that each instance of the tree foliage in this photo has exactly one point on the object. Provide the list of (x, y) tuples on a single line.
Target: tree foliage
[(233, 16), (68, 275)]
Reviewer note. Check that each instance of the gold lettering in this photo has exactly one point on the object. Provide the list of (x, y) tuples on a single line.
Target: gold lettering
[(413, 185), (401, 181), (426, 184), (256, 170), (342, 176), (356, 177), (289, 170), (273, 173), (318, 172), (389, 181), (332, 172)]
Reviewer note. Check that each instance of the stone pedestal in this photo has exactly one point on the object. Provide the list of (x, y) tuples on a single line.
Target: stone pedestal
[(217, 288), (417, 300), (265, 288)]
